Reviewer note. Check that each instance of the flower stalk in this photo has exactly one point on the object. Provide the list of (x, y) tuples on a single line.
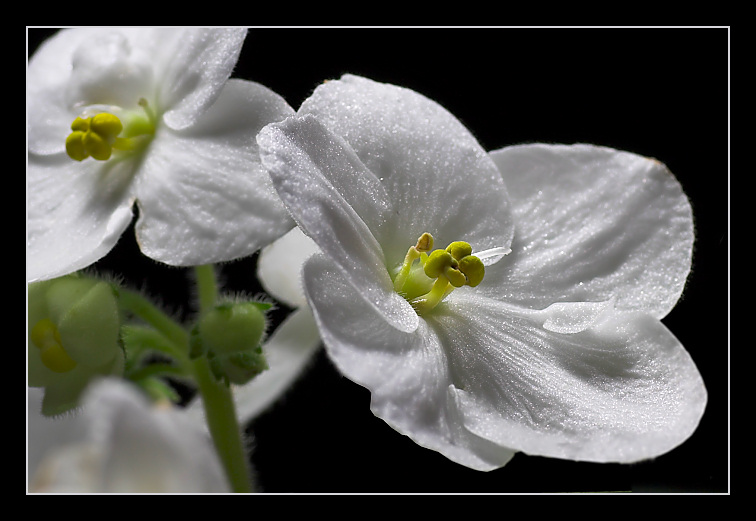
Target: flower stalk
[(218, 401), (220, 412)]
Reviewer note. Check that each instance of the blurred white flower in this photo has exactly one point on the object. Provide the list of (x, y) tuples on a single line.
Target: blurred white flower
[(120, 443), (118, 116)]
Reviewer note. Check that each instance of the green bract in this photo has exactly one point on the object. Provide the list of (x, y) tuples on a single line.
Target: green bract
[(73, 336)]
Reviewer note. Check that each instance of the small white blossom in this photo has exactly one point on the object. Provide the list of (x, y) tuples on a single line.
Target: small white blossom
[(146, 116)]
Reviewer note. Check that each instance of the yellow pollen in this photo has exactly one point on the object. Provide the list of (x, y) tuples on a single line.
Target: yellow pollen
[(99, 135), (45, 336), (426, 279)]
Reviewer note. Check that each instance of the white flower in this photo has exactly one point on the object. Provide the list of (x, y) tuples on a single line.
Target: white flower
[(120, 443), (559, 350), (185, 154)]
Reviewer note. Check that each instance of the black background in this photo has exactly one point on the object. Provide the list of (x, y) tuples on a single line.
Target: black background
[(662, 93)]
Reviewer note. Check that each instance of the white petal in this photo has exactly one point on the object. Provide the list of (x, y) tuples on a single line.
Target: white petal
[(407, 373), (439, 178), (128, 445), (574, 317), (76, 213), (327, 190), (593, 223), (288, 351), (45, 433), (203, 195), (279, 267), (623, 390), (192, 66), (192, 77), (48, 116), (86, 66)]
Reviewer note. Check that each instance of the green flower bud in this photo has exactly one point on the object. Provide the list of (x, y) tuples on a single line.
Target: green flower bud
[(73, 337), (239, 368), (230, 335), (232, 328)]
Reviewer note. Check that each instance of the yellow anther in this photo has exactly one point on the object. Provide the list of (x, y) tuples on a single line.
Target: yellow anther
[(75, 146), (473, 269), (45, 336), (44, 333), (107, 126), (456, 277), (93, 137), (97, 146), (437, 273), (442, 264), (438, 262), (80, 124), (57, 360), (425, 242), (99, 135), (459, 249)]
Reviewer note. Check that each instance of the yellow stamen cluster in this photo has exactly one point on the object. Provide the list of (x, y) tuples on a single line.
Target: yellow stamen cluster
[(428, 281), (97, 136), (45, 336)]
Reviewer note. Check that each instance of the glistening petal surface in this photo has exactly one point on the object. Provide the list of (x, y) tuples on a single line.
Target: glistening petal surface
[(477, 369), (623, 390), (84, 66), (438, 177), (193, 75), (593, 223), (328, 191), (408, 374), (74, 223), (202, 192)]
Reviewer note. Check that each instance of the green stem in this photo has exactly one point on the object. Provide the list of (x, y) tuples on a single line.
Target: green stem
[(224, 427), (144, 309), (207, 287), (218, 399)]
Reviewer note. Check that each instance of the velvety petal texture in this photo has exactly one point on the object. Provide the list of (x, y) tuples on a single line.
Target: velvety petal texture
[(301, 169), (622, 390), (439, 178), (71, 224), (593, 223), (202, 193), (558, 351), (407, 372)]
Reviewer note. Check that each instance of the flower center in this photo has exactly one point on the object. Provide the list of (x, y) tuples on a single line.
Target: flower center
[(426, 279), (46, 337), (98, 135)]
